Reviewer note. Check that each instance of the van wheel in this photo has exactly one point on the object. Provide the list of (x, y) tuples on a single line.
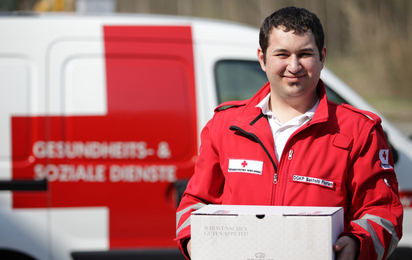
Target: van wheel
[(13, 255), (401, 253)]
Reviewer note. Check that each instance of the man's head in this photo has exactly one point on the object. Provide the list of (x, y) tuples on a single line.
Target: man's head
[(294, 19)]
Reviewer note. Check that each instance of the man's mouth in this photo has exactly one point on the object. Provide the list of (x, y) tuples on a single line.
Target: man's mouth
[(294, 78)]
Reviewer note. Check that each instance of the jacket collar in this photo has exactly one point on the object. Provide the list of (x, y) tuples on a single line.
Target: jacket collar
[(251, 112)]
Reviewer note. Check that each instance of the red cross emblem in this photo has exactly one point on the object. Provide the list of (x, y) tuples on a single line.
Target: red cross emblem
[(127, 65), (244, 164)]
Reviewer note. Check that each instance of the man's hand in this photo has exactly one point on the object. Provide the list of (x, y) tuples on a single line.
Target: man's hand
[(189, 248), (347, 248)]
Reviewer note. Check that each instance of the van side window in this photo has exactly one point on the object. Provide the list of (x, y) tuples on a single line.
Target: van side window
[(238, 79), (334, 97), (241, 79)]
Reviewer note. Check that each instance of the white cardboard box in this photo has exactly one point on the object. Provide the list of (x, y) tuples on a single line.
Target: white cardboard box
[(265, 232)]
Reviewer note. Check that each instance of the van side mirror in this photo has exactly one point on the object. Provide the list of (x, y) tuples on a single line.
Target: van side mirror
[(180, 186), (175, 192)]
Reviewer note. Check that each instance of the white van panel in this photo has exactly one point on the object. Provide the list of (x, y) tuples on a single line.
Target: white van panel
[(14, 99), (84, 86), (77, 76), (26, 231), (78, 229)]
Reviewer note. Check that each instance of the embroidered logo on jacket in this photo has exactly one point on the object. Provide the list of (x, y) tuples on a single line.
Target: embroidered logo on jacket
[(246, 166), (311, 180), (384, 157)]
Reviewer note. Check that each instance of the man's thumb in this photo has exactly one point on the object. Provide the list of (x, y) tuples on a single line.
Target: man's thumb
[(338, 245)]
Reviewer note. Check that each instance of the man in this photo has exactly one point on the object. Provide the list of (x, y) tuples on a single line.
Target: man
[(307, 151)]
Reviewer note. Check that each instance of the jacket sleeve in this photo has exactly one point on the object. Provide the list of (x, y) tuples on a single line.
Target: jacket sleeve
[(375, 215), (205, 187)]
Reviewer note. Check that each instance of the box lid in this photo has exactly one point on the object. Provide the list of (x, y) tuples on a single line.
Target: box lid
[(235, 210)]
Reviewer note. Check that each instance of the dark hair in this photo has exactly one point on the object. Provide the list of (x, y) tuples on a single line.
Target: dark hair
[(293, 18)]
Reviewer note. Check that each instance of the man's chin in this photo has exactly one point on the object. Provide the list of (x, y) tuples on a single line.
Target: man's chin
[(293, 84)]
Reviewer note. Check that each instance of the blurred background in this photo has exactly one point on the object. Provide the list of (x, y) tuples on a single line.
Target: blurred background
[(368, 41)]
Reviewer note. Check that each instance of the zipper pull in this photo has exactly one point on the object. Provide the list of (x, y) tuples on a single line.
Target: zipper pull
[(386, 182), (290, 154), (275, 179)]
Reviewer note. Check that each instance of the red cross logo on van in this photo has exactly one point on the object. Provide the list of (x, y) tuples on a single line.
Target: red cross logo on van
[(127, 159)]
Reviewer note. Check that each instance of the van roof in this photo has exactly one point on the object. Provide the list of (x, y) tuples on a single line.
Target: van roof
[(204, 29)]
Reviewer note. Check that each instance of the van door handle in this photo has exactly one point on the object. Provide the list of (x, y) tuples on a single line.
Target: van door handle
[(24, 185)]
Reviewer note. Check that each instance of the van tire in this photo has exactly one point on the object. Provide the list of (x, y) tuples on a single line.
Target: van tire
[(401, 253), (13, 255)]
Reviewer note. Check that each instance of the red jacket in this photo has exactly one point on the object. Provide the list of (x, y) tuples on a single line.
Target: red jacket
[(340, 158)]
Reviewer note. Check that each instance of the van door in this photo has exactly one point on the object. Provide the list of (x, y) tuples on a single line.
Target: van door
[(122, 130), (22, 199)]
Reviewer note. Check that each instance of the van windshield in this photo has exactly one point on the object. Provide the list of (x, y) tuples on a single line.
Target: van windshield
[(241, 79)]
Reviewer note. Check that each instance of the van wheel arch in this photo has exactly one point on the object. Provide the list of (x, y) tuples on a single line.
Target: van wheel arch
[(6, 254)]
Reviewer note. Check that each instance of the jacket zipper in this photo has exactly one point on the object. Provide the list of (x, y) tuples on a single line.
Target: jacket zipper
[(290, 155), (275, 176), (285, 173)]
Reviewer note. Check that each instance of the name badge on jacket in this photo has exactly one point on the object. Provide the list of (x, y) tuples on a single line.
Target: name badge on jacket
[(245, 166)]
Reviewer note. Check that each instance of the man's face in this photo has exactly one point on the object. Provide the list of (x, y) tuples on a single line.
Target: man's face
[(293, 64)]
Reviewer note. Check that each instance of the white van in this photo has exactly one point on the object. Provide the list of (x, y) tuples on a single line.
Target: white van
[(99, 128)]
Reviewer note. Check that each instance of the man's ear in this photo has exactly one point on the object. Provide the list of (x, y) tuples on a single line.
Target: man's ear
[(261, 57), (323, 55)]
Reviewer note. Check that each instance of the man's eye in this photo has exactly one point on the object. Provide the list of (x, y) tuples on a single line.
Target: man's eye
[(306, 54)]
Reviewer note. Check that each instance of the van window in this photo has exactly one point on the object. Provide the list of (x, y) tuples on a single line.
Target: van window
[(241, 79), (238, 79), (334, 97)]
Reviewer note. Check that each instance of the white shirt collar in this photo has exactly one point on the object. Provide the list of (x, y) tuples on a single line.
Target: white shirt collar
[(264, 105)]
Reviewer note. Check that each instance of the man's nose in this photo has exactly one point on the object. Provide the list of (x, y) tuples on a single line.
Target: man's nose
[(294, 65)]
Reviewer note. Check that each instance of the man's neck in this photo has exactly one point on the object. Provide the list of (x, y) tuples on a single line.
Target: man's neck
[(286, 110)]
